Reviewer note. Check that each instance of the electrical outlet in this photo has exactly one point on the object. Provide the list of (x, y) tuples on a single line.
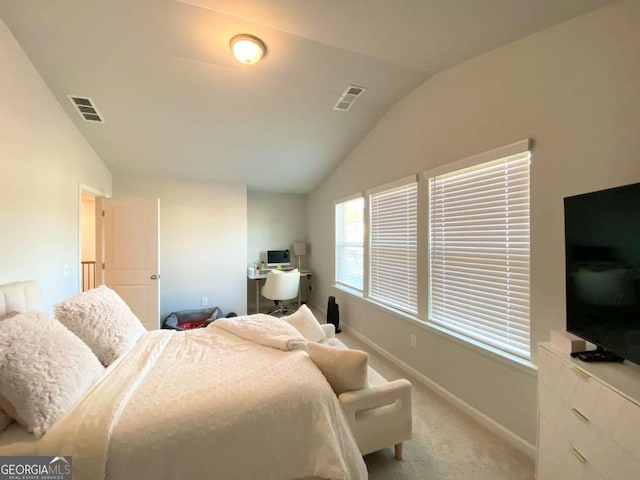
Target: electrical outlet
[(66, 270), (205, 301), (413, 340)]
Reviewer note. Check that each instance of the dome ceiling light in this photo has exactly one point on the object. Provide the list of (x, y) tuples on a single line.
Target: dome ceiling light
[(247, 48)]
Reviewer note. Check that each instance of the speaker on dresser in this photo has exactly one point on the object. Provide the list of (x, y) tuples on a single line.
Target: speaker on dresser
[(333, 313)]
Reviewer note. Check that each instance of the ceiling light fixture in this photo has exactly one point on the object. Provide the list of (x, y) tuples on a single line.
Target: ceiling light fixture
[(247, 48)]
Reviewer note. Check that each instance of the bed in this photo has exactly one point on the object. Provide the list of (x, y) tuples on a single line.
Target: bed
[(200, 404)]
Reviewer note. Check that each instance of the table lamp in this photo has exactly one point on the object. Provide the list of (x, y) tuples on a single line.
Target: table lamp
[(299, 249)]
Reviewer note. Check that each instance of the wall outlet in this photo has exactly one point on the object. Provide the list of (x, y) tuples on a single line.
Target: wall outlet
[(205, 301), (66, 270), (413, 340)]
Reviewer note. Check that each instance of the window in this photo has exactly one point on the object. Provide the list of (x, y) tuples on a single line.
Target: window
[(479, 251), (350, 243), (393, 246)]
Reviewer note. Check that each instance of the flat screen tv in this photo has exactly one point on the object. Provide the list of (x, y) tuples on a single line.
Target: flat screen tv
[(602, 251)]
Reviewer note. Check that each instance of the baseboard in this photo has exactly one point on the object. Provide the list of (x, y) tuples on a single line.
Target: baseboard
[(504, 433)]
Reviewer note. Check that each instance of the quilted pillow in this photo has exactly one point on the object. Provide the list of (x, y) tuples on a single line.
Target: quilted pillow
[(305, 322), (44, 370), (103, 321), (344, 369)]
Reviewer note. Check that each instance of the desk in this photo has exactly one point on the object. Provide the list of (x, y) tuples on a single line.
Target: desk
[(251, 275)]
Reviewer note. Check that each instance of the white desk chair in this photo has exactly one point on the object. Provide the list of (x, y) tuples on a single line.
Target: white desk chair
[(280, 286)]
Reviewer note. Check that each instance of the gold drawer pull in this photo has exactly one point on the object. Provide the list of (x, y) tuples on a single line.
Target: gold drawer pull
[(579, 414), (580, 372), (578, 455)]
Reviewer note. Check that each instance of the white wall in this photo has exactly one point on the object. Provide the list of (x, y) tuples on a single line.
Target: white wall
[(274, 222), (572, 88), (203, 241), (43, 159)]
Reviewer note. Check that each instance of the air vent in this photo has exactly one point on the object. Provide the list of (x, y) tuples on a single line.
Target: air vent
[(85, 107), (348, 98)]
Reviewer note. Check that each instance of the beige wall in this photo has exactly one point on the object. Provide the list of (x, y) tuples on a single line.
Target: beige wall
[(574, 90), (43, 160), (274, 222), (203, 241)]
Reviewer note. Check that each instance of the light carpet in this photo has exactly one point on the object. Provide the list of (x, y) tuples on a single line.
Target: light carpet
[(446, 443)]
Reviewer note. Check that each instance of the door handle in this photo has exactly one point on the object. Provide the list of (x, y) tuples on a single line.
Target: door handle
[(155, 277)]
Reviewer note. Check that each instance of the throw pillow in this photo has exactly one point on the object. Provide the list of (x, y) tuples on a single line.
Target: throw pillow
[(305, 322), (103, 321), (344, 369), (44, 370)]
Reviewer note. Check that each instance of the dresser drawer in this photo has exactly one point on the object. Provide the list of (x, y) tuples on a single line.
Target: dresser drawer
[(559, 460), (577, 388), (577, 429)]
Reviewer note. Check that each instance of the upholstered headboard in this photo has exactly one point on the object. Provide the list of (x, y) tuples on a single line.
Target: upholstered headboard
[(19, 297)]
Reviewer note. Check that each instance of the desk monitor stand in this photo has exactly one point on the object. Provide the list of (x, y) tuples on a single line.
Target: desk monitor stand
[(597, 355)]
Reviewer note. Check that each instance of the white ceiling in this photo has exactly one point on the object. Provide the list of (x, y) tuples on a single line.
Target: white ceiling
[(177, 104)]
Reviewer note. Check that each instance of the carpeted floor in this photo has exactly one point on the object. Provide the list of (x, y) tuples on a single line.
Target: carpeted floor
[(446, 443)]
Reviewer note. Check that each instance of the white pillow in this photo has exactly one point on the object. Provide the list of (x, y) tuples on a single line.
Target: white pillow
[(103, 321), (5, 419), (44, 370), (305, 322), (344, 369)]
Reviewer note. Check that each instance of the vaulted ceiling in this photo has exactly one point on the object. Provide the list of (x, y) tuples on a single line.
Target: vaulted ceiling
[(176, 103)]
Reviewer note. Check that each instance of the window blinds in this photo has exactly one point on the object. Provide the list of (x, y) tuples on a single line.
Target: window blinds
[(393, 247), (479, 252), (350, 243)]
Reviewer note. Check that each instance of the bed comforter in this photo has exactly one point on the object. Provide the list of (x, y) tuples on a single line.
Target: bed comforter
[(207, 404)]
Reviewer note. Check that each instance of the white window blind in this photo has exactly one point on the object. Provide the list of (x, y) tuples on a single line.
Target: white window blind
[(479, 252), (393, 247), (350, 243)]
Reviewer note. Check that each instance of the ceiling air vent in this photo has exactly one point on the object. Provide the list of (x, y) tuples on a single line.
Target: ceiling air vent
[(348, 98), (86, 109)]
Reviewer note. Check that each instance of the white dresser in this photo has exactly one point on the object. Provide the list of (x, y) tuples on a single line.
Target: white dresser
[(588, 419)]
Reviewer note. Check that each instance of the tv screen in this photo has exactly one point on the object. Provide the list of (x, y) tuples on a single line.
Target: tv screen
[(602, 251)]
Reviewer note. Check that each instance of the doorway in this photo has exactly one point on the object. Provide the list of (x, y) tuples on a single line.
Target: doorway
[(91, 254)]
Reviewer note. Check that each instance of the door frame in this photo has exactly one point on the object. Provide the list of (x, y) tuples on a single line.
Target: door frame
[(99, 232)]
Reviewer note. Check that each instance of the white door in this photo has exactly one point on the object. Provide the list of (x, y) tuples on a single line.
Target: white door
[(132, 265)]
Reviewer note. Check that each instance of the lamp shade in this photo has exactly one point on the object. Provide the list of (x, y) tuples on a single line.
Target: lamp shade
[(299, 248)]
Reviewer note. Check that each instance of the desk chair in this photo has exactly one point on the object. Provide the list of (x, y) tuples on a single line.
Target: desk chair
[(280, 286)]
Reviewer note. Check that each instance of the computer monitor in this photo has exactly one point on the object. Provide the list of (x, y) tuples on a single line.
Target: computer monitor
[(278, 257)]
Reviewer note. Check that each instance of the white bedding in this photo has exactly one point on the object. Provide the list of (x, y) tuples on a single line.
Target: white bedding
[(204, 404)]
